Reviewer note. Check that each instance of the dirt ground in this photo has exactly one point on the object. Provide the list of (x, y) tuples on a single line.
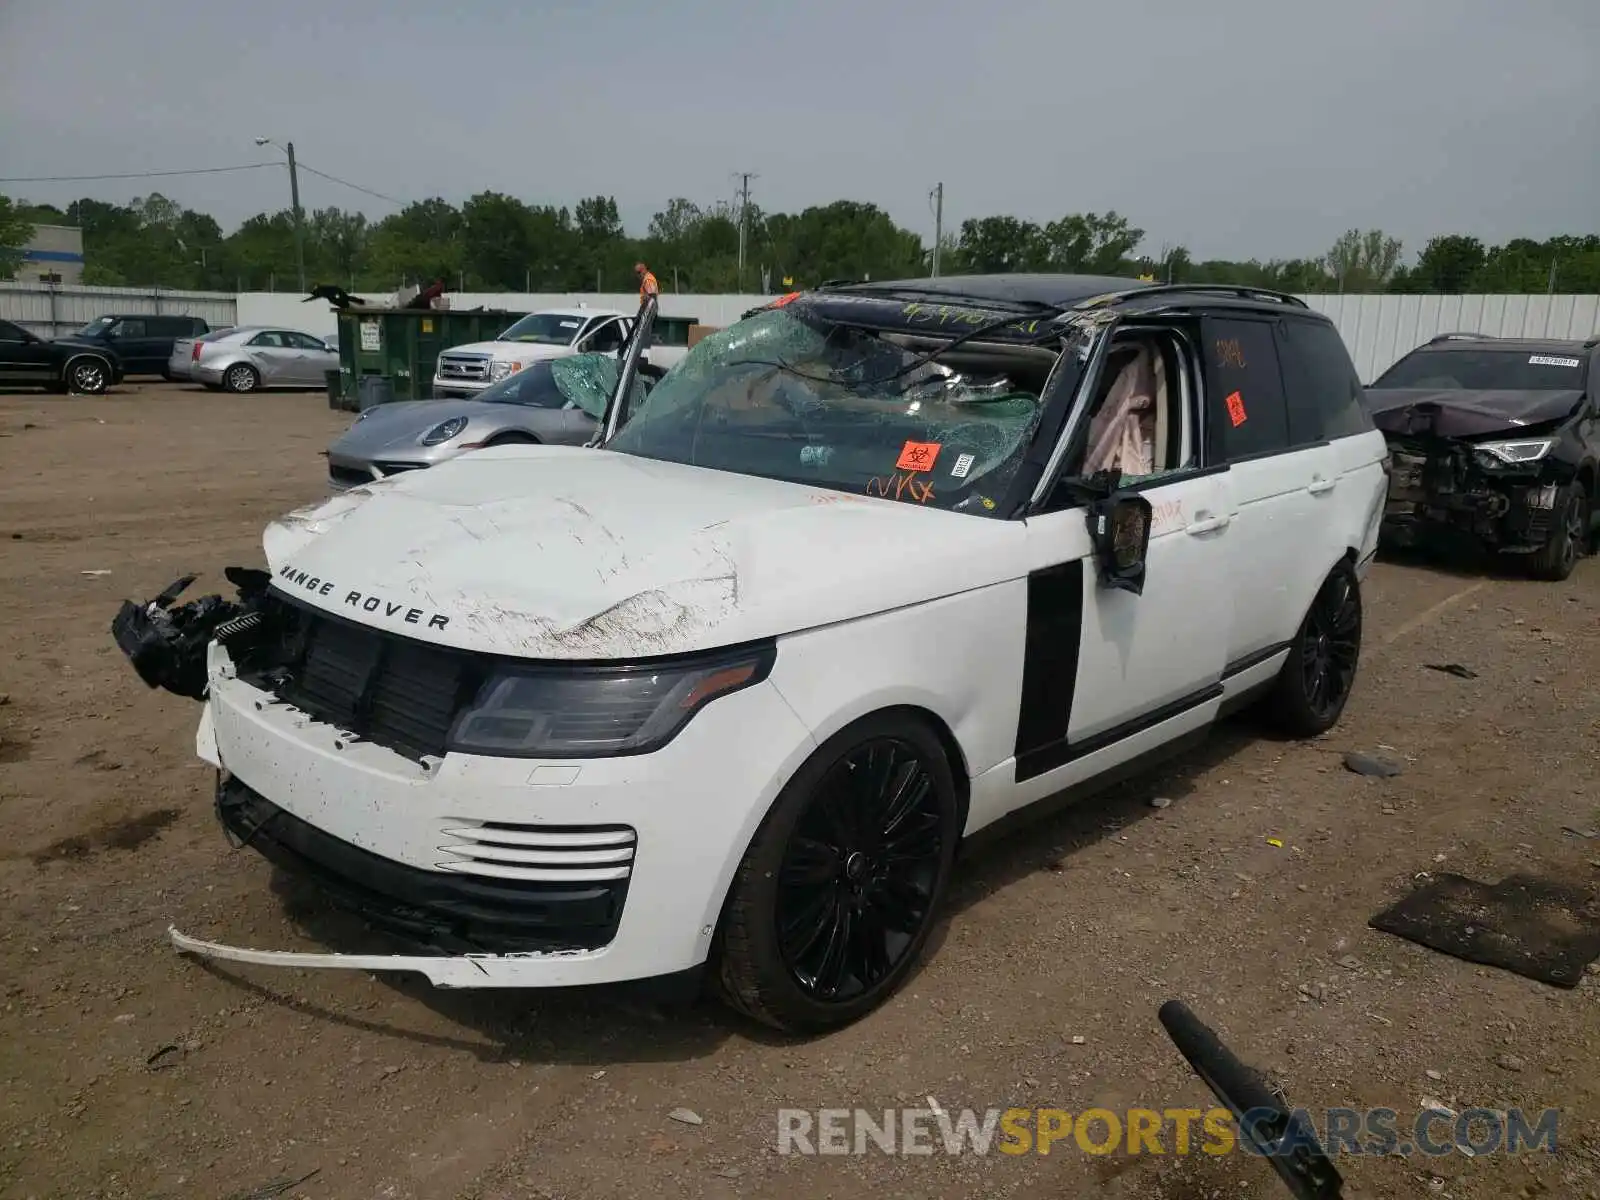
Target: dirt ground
[(127, 1071)]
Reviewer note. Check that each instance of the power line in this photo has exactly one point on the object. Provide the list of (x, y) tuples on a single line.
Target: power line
[(348, 184), (132, 174)]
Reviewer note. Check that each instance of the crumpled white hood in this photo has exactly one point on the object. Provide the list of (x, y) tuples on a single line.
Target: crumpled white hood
[(562, 552)]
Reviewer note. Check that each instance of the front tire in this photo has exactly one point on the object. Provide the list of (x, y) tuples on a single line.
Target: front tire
[(1317, 677), (1569, 534), (87, 376), (841, 886), (241, 378)]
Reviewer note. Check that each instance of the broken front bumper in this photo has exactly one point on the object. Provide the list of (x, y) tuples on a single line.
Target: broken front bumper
[(1439, 493), (502, 872)]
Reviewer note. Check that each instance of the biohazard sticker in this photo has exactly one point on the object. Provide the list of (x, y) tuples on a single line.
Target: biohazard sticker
[(1236, 412), (917, 456), (963, 465)]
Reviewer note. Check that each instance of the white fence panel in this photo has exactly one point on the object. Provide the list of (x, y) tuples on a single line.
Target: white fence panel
[(51, 310)]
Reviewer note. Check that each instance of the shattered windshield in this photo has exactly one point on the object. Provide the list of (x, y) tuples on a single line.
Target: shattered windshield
[(788, 397), (584, 381), (544, 329), (1486, 371)]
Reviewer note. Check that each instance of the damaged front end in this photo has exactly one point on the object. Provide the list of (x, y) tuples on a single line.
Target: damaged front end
[(1450, 479), (1440, 486), (167, 643)]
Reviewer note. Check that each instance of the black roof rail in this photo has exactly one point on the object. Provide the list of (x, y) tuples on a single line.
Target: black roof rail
[(1592, 342), (1242, 291), (1461, 335)]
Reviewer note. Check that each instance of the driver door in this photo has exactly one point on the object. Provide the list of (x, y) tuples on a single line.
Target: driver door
[(1110, 675), (23, 358)]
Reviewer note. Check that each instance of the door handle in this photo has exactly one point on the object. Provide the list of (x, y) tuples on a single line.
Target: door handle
[(1319, 485), (1206, 523)]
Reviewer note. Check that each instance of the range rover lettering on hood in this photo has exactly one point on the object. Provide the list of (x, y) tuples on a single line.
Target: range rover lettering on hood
[(363, 601)]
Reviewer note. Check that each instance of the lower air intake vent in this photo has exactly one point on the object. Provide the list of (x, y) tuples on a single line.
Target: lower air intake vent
[(542, 853)]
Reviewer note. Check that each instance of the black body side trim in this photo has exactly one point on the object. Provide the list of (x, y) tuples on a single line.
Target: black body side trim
[(1039, 809), (1058, 754), (1050, 657), (1254, 659)]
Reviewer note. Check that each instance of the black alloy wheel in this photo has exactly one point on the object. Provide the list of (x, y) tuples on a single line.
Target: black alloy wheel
[(1569, 534), (859, 875), (1320, 672), (843, 884)]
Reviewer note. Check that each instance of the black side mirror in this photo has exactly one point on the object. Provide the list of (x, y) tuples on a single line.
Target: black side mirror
[(1119, 529)]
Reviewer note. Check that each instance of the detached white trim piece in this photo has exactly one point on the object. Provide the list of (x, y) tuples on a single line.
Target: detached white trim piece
[(445, 971)]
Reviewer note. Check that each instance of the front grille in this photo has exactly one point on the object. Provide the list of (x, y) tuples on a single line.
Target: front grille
[(451, 367), (384, 689), (348, 476), (394, 468)]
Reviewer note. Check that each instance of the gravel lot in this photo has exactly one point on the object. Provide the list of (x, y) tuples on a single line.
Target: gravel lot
[(1074, 929)]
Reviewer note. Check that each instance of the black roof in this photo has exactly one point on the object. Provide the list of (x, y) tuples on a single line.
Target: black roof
[(1019, 288)]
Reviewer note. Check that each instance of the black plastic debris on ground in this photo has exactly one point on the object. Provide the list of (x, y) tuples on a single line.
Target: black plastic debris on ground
[(1365, 764), (1455, 669), (1534, 927)]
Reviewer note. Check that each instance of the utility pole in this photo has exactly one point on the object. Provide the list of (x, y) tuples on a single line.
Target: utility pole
[(294, 203), (938, 224), (744, 178), (299, 223), (1550, 285)]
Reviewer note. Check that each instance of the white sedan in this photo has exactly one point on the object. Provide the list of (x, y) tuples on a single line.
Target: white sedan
[(868, 572)]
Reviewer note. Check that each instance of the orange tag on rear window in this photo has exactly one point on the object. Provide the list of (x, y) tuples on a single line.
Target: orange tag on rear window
[(917, 456), (1236, 409)]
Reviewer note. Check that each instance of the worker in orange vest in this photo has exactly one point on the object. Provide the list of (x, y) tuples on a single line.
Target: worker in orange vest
[(647, 287), (647, 282)]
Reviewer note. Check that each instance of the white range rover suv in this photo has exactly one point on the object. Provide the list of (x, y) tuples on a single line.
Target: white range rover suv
[(464, 371), (870, 570)]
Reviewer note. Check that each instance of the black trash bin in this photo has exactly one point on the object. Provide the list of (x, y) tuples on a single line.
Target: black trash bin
[(335, 382), (374, 390)]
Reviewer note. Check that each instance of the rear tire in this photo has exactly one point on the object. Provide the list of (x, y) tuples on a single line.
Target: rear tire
[(1569, 534), (1317, 677), (842, 884), (241, 378)]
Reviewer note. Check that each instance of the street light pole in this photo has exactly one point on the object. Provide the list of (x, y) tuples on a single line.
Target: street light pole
[(294, 201)]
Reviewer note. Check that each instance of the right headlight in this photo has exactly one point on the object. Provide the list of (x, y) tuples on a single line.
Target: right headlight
[(1512, 454), (597, 712), (500, 370)]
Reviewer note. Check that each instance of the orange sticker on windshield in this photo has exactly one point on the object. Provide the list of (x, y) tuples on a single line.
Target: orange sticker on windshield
[(917, 456), (1236, 409)]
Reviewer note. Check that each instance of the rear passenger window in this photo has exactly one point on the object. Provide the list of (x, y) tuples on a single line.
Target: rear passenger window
[(1245, 410), (1325, 393)]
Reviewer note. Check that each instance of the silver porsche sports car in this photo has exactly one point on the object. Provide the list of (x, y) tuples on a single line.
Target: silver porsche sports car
[(558, 401)]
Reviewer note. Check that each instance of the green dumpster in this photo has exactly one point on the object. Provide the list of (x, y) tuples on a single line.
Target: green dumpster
[(403, 344)]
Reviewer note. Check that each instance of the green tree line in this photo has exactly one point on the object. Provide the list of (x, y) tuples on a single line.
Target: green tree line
[(496, 242)]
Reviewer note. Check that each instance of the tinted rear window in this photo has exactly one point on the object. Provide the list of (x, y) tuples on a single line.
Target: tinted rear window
[(1323, 387), (1487, 370)]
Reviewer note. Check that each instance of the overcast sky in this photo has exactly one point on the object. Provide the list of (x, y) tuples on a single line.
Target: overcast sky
[(1236, 127)]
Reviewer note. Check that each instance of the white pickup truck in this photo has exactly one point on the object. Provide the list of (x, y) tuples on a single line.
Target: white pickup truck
[(464, 371)]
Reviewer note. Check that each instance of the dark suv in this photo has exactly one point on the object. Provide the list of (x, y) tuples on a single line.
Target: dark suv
[(1496, 440), (141, 342), (29, 360)]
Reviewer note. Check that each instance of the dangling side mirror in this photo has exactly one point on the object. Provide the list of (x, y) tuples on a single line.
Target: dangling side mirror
[(1119, 529)]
